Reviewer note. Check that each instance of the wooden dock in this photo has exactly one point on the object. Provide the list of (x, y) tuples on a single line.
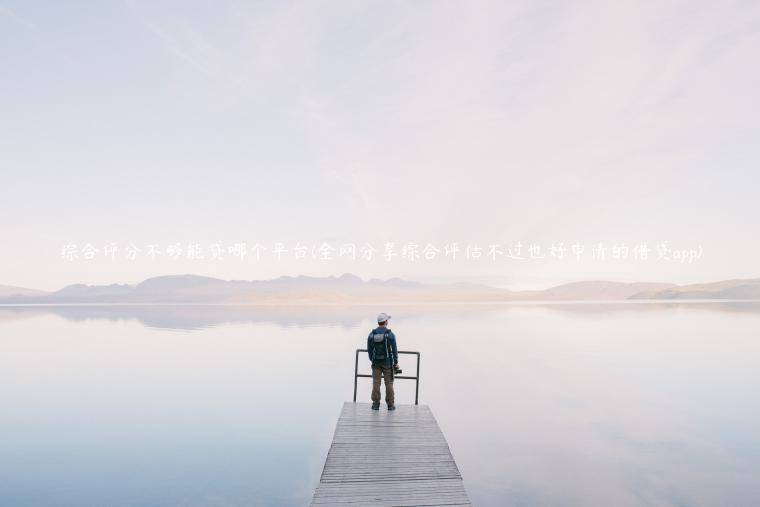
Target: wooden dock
[(397, 458)]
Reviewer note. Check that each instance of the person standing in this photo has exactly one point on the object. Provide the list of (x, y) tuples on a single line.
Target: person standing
[(383, 353)]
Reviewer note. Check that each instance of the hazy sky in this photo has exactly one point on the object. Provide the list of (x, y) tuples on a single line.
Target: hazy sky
[(161, 122)]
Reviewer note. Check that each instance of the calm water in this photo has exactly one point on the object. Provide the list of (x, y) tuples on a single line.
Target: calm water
[(561, 405)]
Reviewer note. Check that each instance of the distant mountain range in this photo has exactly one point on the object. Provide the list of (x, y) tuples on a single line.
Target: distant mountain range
[(350, 289), (7, 291)]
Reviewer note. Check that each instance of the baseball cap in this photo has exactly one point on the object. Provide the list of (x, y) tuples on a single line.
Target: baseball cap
[(383, 317)]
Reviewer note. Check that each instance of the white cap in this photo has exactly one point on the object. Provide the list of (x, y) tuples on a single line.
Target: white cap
[(383, 317)]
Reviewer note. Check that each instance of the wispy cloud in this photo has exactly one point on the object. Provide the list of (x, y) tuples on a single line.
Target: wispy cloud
[(171, 43), (9, 13)]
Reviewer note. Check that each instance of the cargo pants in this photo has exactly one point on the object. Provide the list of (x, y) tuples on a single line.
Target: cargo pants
[(381, 371)]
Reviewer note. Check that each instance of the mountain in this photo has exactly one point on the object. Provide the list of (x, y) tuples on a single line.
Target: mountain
[(9, 291), (80, 291), (726, 289), (347, 288), (601, 290), (350, 289), (160, 289)]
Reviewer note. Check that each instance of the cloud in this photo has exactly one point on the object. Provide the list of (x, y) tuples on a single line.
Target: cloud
[(171, 43), (8, 12), (430, 121)]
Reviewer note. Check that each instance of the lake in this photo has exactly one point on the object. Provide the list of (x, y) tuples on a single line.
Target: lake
[(627, 404)]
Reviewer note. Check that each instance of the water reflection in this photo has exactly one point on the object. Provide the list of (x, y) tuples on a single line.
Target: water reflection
[(553, 404)]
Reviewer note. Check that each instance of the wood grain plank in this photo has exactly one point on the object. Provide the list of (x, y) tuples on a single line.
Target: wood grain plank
[(382, 458)]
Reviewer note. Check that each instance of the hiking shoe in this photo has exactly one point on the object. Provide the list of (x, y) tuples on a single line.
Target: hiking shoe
[(391, 407), (376, 406)]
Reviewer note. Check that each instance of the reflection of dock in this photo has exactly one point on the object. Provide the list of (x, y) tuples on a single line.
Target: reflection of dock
[(398, 458)]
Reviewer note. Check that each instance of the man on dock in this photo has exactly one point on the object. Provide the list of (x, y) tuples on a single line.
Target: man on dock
[(381, 347)]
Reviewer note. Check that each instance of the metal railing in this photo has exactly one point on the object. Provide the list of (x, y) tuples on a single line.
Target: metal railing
[(416, 378)]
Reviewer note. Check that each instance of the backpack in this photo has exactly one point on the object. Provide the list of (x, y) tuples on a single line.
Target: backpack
[(380, 347)]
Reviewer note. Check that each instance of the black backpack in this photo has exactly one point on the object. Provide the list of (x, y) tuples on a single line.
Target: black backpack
[(380, 346)]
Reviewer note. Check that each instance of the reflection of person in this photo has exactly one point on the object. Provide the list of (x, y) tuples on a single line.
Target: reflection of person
[(381, 347)]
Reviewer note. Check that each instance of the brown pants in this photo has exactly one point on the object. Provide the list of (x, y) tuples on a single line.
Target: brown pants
[(378, 371)]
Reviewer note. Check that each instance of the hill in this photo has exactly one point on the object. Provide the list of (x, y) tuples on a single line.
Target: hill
[(350, 289)]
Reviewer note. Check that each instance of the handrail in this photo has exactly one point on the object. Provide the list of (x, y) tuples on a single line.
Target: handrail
[(415, 378)]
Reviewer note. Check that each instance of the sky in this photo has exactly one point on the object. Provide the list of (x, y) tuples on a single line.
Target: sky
[(215, 124)]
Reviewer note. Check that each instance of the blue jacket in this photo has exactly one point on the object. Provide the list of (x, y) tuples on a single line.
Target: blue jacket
[(393, 357)]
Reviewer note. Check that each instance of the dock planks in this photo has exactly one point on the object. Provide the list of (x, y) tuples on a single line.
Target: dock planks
[(398, 458)]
